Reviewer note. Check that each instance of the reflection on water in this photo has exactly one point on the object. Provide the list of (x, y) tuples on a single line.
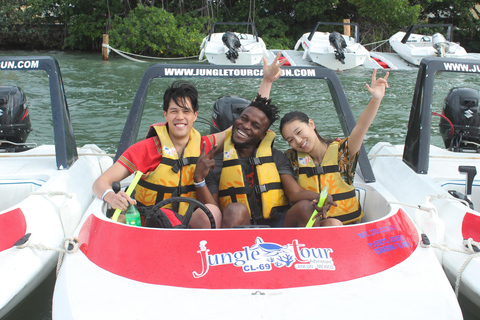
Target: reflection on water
[(100, 94)]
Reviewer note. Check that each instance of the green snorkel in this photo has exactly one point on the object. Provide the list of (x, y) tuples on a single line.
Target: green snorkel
[(321, 202), (129, 191)]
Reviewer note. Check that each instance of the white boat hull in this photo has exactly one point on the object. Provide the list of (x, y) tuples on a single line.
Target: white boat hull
[(420, 46), (87, 287), (250, 54), (46, 202), (461, 222), (320, 51)]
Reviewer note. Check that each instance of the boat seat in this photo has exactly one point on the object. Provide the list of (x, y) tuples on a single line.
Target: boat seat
[(14, 191)]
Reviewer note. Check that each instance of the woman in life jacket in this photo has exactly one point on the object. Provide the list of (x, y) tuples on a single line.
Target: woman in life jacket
[(319, 162)]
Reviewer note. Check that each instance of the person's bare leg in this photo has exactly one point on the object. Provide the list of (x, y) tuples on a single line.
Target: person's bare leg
[(235, 214), (299, 214)]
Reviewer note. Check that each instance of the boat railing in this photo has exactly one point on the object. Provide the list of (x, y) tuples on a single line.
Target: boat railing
[(254, 30), (449, 26), (355, 25)]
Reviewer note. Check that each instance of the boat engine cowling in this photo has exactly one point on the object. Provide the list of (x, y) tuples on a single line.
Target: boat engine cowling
[(338, 42), (461, 110), (225, 110), (15, 123), (232, 42), (440, 44)]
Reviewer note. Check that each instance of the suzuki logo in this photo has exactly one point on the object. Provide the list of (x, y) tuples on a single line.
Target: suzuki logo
[(468, 114)]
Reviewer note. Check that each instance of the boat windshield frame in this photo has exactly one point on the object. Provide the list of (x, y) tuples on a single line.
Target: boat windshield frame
[(65, 145), (417, 141), (160, 70), (356, 34), (412, 28)]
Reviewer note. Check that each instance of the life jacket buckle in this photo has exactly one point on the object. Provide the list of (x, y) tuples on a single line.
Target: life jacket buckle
[(261, 189), (254, 161)]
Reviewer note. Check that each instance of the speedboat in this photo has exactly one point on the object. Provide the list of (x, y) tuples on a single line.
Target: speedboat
[(439, 183), (233, 48), (378, 265), (45, 189), (413, 47), (333, 50)]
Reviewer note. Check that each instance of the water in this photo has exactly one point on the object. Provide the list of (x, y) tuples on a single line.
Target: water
[(100, 94)]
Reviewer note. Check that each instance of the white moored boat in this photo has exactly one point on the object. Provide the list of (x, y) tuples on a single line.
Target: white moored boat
[(233, 48), (333, 50), (441, 180), (378, 265), (413, 47), (45, 189)]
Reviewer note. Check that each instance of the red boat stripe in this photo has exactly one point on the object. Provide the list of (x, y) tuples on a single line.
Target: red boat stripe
[(248, 258), (12, 227), (471, 226)]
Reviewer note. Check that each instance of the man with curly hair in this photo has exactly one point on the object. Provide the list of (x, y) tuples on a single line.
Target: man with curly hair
[(252, 182)]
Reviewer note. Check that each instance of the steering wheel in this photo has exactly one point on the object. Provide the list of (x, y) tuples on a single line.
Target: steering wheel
[(192, 205)]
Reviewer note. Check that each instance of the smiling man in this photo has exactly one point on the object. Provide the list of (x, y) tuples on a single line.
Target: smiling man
[(254, 183), (172, 155)]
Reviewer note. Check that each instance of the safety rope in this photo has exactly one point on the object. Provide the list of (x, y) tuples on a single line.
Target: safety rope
[(126, 55), (382, 42), (473, 247), (470, 251), (69, 245)]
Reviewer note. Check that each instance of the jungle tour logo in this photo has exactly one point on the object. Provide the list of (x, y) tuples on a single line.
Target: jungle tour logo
[(264, 256)]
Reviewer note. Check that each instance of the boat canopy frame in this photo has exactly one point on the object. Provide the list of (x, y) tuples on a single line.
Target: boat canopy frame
[(340, 101), (254, 29), (356, 34), (65, 145), (417, 141), (412, 28)]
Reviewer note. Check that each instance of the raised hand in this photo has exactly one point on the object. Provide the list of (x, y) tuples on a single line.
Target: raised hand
[(272, 72), (377, 86), (204, 163)]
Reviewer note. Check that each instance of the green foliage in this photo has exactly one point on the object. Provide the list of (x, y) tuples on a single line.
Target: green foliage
[(154, 31), (176, 28)]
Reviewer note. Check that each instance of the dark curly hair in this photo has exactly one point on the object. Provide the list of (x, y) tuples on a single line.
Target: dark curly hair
[(263, 104)]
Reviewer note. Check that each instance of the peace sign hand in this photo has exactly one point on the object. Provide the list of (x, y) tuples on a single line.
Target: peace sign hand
[(204, 163)]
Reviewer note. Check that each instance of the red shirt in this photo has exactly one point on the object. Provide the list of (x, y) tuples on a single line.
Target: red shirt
[(145, 155)]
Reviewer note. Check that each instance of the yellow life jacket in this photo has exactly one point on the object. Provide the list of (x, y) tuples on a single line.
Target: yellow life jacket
[(173, 177), (234, 188), (348, 208)]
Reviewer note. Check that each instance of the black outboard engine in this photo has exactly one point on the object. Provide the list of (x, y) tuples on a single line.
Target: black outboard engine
[(15, 123), (232, 42), (462, 129), (338, 42), (225, 110)]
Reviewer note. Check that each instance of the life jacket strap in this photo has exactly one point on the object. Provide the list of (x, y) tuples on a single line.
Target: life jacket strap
[(247, 161), (177, 164), (311, 171), (344, 195)]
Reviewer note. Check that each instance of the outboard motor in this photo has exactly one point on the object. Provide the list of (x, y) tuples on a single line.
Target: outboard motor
[(440, 44), (15, 123), (232, 42), (225, 110), (460, 123), (338, 42)]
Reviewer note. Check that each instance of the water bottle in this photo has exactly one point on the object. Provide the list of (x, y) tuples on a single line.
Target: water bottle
[(132, 216)]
